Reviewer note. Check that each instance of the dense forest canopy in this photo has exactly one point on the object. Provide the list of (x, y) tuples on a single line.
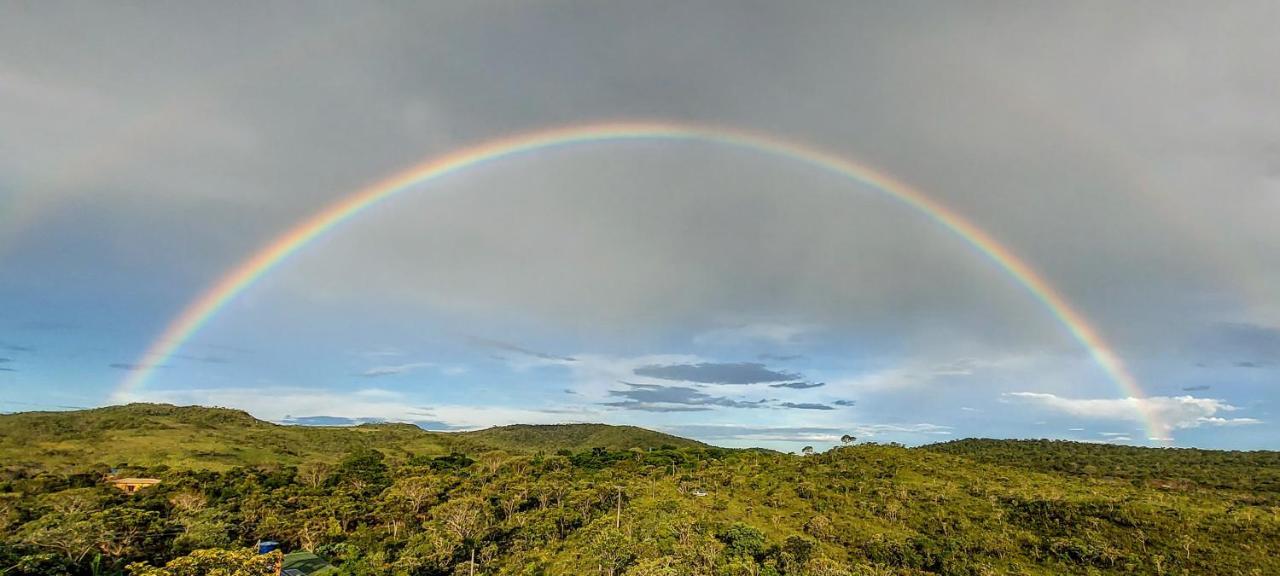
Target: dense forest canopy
[(390, 499)]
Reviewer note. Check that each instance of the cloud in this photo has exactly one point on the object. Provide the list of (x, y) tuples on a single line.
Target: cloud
[(7, 369), (798, 385), (769, 332), (628, 240), (205, 359), (720, 432), (805, 406), (655, 398), (3, 360), (1255, 338), (1174, 412), (924, 372), (1196, 388), (329, 421), (1254, 345), (131, 366), (383, 353), (378, 371), (716, 373), (17, 348), (845, 402), (510, 347), (767, 357), (747, 434)]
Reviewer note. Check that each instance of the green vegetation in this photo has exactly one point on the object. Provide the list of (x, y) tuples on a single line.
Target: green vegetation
[(193, 437), (1257, 471), (576, 437), (388, 500)]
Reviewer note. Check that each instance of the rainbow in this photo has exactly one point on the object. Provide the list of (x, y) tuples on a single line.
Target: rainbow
[(198, 313)]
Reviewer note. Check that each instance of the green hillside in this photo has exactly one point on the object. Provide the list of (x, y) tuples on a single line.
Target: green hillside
[(393, 500), (1226, 469), (194, 437), (575, 437)]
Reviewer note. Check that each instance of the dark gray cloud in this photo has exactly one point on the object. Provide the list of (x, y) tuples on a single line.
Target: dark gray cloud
[(731, 431), (581, 223), (17, 348), (654, 398), (7, 369), (127, 366), (1197, 388), (1252, 345), (767, 357), (510, 347), (1035, 123), (805, 406), (798, 385), (4, 360), (716, 373), (845, 402)]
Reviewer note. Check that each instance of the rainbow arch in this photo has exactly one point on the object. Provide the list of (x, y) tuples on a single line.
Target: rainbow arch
[(199, 311)]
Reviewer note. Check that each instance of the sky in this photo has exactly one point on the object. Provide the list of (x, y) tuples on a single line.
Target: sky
[(1127, 154)]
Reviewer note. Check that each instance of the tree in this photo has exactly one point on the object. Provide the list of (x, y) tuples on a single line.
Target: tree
[(130, 532), (611, 549), (73, 536), (796, 552), (314, 474), (363, 471), (464, 518), (415, 491), (807, 450), (188, 501), (743, 540), (847, 439), (661, 566), (214, 562)]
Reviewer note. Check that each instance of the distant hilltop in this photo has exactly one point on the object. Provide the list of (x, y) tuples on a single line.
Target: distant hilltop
[(219, 438)]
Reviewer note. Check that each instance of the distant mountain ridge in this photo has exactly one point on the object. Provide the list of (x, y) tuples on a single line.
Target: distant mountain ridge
[(574, 437), (218, 438)]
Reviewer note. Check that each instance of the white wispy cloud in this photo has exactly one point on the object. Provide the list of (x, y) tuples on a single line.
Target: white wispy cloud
[(383, 353), (1172, 412), (394, 369), (742, 435), (776, 333)]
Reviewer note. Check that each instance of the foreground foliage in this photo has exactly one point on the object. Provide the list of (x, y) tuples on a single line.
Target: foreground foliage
[(215, 562), (858, 510)]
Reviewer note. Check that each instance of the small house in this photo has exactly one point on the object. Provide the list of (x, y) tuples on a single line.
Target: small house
[(132, 485)]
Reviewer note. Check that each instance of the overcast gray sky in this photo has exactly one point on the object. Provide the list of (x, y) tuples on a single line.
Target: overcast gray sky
[(1130, 153)]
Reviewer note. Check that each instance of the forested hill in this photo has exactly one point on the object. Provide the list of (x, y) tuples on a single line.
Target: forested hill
[(394, 500), (194, 437), (575, 437), (1228, 469)]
